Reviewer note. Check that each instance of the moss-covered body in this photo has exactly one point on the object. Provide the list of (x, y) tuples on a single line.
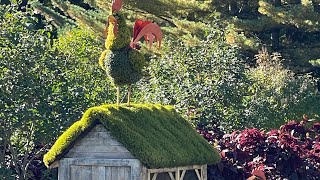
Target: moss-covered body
[(156, 135), (124, 66), (122, 63)]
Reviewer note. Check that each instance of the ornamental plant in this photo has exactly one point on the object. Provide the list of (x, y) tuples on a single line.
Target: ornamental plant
[(290, 152), (122, 60)]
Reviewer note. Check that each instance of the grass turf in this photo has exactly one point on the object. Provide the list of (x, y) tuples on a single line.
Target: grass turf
[(156, 135)]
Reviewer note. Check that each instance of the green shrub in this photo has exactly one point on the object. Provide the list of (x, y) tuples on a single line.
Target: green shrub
[(204, 82), (44, 86), (276, 94), (210, 85)]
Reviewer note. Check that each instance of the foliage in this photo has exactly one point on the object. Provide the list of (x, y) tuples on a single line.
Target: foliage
[(123, 36), (276, 94), (209, 84), (315, 62), (204, 82), (287, 26), (290, 152), (44, 86), (128, 125), (290, 27)]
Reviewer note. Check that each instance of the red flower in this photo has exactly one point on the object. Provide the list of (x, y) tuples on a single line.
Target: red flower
[(316, 127), (315, 152), (249, 139), (273, 136)]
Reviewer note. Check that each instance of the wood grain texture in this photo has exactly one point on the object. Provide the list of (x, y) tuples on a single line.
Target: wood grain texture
[(80, 172), (98, 173), (100, 169), (99, 143), (204, 172), (64, 169)]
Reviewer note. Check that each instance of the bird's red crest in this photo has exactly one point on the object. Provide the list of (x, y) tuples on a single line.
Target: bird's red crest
[(116, 5), (148, 30), (138, 25)]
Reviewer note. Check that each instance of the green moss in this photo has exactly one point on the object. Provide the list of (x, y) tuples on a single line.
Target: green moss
[(156, 135), (120, 68), (137, 60), (123, 64)]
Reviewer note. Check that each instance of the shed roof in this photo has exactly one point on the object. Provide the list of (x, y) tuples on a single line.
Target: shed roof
[(156, 135)]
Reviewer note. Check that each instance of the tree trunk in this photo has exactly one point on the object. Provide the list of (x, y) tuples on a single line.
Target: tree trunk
[(275, 33), (316, 6), (233, 7)]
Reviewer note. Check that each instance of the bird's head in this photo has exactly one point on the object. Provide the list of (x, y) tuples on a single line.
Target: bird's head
[(113, 22)]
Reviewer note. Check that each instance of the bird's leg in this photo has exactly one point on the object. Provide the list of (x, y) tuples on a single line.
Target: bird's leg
[(129, 94), (118, 95)]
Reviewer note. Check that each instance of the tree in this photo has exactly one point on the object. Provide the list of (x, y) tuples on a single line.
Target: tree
[(44, 87), (276, 93), (204, 82), (290, 27), (94, 14)]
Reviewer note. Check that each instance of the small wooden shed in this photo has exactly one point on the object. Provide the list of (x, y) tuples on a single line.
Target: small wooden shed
[(140, 142)]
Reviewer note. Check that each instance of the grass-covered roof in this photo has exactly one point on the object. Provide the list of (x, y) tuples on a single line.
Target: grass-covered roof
[(156, 135)]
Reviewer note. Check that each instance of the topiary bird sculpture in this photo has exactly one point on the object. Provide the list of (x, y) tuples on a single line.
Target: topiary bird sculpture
[(122, 59)]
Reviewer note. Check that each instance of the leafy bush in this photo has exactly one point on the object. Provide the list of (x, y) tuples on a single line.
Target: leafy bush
[(276, 94), (290, 152), (210, 84), (204, 82), (44, 87)]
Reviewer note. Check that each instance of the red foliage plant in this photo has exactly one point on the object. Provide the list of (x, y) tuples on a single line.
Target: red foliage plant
[(290, 152)]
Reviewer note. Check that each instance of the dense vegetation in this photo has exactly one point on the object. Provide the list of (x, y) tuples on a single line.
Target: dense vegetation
[(210, 84), (218, 67), (45, 85), (289, 152)]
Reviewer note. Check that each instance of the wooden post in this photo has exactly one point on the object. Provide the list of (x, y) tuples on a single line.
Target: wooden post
[(118, 95), (154, 176), (144, 173), (204, 172), (171, 176), (148, 175), (200, 170), (182, 174), (178, 174), (198, 174), (129, 94)]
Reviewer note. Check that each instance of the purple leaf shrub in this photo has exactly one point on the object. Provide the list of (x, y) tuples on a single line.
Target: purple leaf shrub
[(290, 152)]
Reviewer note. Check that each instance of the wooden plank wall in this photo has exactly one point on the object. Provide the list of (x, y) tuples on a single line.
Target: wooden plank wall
[(100, 172), (99, 169), (99, 156), (98, 143)]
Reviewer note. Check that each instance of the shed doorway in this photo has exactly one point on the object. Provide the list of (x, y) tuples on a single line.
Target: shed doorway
[(78, 172)]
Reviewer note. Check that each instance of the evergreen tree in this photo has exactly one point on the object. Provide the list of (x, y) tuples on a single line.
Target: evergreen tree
[(291, 27), (93, 14)]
